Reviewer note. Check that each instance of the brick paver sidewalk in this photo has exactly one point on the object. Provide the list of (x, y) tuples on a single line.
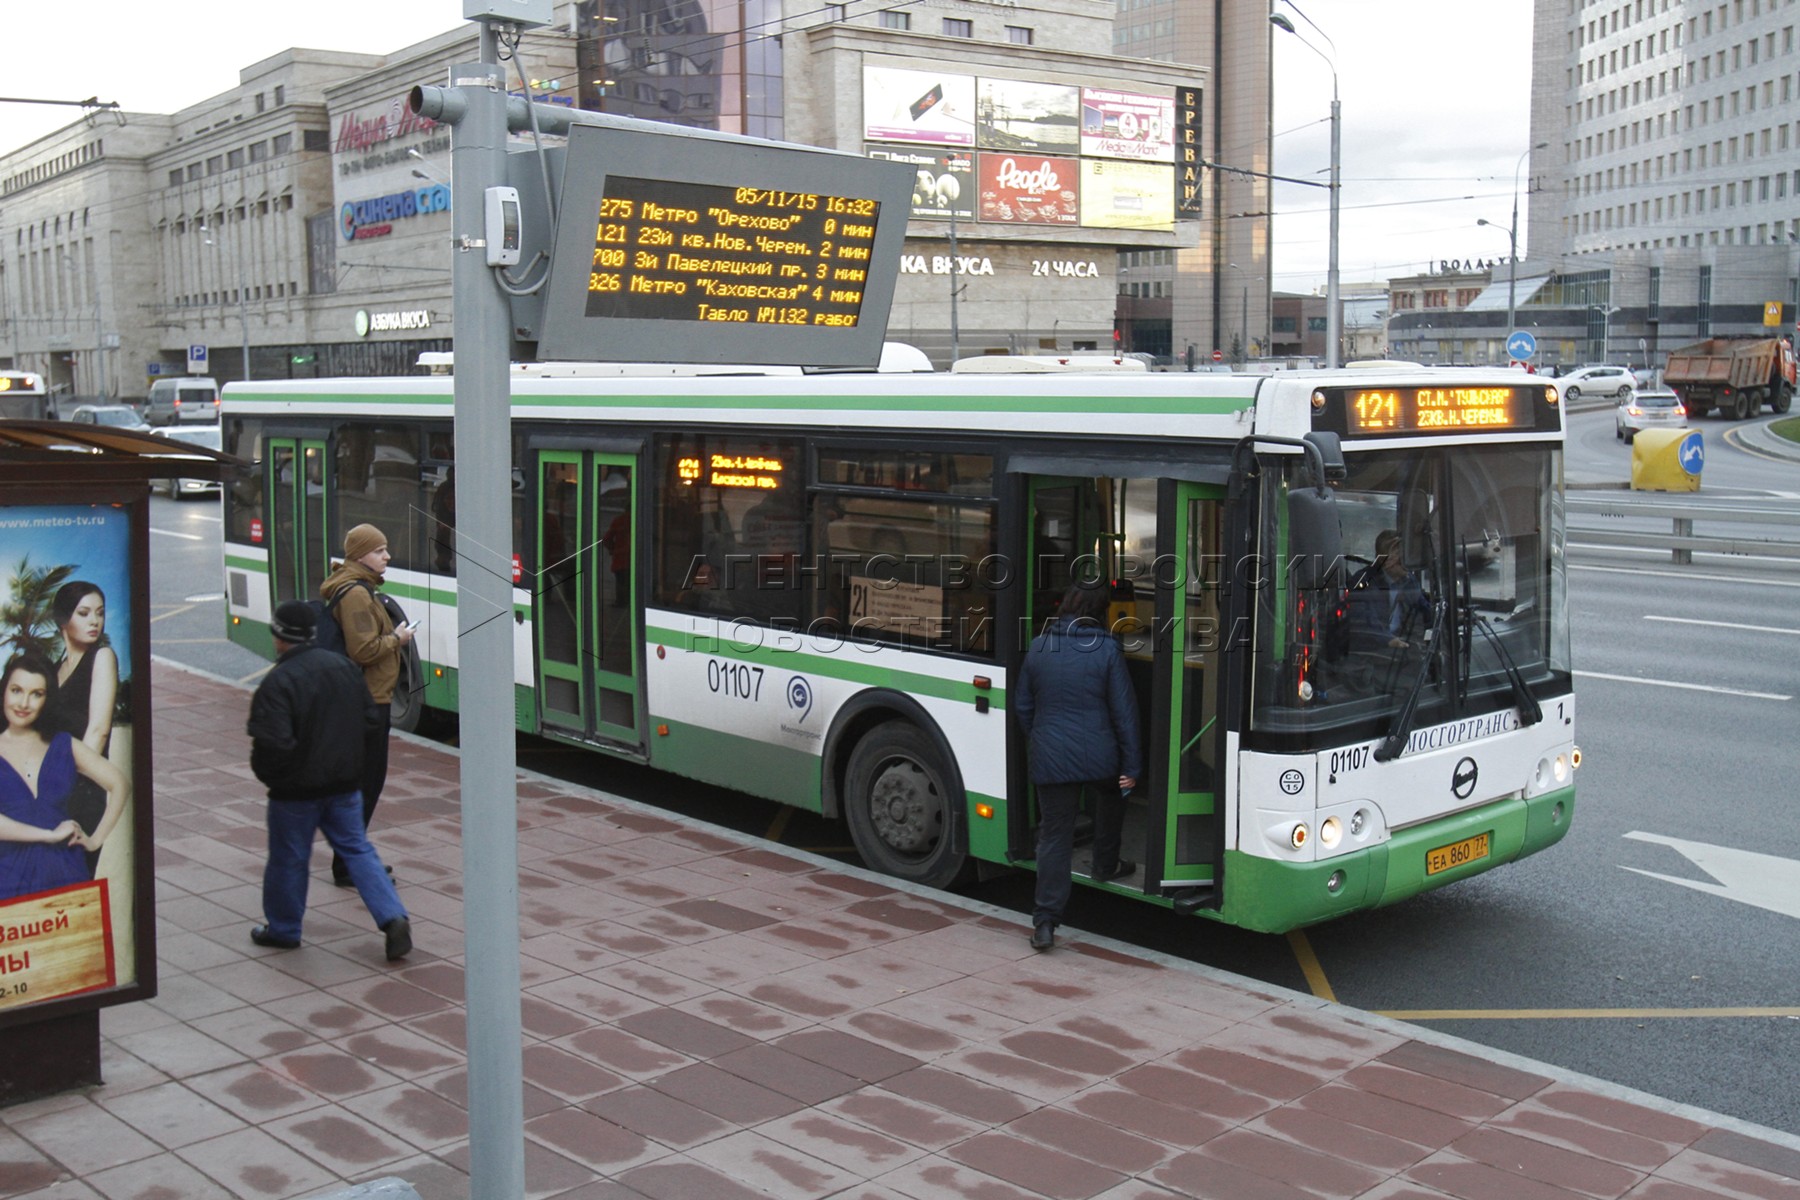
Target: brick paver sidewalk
[(707, 1019)]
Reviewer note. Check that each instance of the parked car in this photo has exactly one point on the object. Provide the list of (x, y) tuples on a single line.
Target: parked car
[(1597, 381), (173, 401), (1652, 408), (198, 435), (113, 416)]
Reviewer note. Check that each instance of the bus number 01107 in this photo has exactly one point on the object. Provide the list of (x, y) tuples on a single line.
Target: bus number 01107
[(737, 680)]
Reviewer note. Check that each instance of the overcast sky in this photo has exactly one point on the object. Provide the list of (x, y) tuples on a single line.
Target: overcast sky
[(1435, 106)]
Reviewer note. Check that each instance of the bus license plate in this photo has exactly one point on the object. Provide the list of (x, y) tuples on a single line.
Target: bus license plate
[(1456, 854)]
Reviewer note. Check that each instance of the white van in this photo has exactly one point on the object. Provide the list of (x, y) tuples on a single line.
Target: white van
[(172, 401)]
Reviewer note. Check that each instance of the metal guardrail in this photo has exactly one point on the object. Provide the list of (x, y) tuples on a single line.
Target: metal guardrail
[(1682, 541)]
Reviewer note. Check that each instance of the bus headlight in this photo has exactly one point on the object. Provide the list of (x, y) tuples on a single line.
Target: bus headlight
[(1560, 768), (1331, 833)]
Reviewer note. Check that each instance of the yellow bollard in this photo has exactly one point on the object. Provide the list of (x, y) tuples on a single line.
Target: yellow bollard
[(1667, 460)]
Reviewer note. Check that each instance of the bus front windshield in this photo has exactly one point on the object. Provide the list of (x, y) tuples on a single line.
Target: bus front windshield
[(1450, 601)]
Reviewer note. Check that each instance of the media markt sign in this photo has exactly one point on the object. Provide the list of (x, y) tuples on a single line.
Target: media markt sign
[(400, 321)]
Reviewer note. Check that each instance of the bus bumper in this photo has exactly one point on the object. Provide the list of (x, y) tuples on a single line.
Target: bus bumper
[(1270, 896)]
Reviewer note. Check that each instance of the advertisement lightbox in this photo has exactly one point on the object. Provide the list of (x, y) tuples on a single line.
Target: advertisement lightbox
[(1014, 114), (902, 105), (1127, 195), (1127, 125), (1030, 189)]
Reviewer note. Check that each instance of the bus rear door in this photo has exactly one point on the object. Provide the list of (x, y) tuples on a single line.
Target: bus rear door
[(300, 545), (585, 608)]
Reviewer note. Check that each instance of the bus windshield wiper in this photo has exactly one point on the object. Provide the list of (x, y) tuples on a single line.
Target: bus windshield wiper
[(1530, 712), (1395, 741)]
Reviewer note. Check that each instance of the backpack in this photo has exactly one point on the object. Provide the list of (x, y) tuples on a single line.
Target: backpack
[(327, 633)]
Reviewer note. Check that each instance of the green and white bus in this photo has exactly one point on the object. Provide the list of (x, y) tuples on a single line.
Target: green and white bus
[(817, 588)]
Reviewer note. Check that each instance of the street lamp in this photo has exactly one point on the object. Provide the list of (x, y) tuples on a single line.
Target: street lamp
[(1606, 311), (1512, 260), (242, 291), (1333, 319), (1244, 317)]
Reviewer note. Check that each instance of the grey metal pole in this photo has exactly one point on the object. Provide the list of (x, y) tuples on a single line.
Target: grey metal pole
[(484, 622), (955, 340), (1334, 320)]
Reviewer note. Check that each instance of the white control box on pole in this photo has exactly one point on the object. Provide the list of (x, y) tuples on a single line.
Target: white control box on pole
[(502, 226)]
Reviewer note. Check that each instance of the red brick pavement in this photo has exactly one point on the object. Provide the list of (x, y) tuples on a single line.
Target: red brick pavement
[(708, 1018)]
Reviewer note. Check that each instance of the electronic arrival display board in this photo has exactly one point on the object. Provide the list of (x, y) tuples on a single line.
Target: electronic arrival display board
[(1442, 408), (677, 248)]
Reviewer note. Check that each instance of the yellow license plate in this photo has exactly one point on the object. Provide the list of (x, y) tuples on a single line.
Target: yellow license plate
[(1456, 854)]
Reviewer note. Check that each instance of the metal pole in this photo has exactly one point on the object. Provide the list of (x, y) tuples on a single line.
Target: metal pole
[(955, 341), (484, 621), (1244, 326), (1333, 318)]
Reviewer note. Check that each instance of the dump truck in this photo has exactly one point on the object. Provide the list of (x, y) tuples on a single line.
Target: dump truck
[(1737, 376)]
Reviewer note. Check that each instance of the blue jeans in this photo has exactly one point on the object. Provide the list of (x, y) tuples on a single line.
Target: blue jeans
[(292, 824), (1058, 806)]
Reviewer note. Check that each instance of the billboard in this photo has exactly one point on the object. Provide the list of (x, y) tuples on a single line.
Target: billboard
[(1127, 195), (943, 181), (1030, 189), (1013, 114), (901, 105), (70, 838), (1127, 125)]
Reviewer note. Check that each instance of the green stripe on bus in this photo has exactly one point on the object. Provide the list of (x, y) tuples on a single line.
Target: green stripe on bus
[(959, 403), (253, 565), (741, 763), (839, 665)]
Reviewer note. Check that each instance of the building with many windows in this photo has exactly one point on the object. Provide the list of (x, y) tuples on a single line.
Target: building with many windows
[(299, 223)]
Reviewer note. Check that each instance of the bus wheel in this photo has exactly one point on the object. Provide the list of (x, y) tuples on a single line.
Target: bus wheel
[(902, 814), (406, 712)]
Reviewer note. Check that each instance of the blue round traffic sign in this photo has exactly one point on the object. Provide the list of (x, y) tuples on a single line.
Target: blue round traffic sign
[(1521, 345), (1692, 453)]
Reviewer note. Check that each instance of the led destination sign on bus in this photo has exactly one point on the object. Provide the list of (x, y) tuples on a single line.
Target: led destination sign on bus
[(671, 251), (1376, 411), (674, 247)]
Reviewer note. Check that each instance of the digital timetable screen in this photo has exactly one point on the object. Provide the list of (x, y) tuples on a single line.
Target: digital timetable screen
[(674, 248), (1399, 411)]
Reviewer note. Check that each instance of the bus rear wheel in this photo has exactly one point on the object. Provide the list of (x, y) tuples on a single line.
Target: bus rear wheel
[(902, 810)]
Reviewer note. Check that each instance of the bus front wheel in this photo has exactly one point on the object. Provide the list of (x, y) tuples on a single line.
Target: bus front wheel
[(901, 809)]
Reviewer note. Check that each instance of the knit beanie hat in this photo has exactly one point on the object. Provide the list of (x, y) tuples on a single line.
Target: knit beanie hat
[(294, 622), (362, 540)]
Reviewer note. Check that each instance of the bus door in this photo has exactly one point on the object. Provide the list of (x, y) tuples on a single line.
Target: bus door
[(584, 596), (300, 542), (1183, 736)]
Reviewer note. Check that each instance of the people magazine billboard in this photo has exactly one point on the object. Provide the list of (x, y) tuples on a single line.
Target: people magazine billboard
[(902, 105), (1127, 125), (1029, 189), (68, 825)]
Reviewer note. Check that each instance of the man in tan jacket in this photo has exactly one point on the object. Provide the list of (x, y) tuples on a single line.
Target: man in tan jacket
[(374, 644)]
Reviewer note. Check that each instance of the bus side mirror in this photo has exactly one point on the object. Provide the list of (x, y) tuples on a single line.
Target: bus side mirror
[(1315, 539)]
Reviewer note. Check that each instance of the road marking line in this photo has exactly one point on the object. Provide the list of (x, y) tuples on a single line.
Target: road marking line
[(1686, 575), (163, 641), (256, 675), (1689, 687), (1723, 624), (1577, 1014), (173, 612), (1309, 966), (203, 598), (186, 537)]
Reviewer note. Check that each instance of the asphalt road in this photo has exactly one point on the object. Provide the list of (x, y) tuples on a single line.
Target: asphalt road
[(1653, 947)]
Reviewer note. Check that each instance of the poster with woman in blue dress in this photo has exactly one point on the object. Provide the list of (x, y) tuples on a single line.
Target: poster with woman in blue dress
[(66, 821)]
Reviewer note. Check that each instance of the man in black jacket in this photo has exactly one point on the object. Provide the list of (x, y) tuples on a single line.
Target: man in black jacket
[(307, 725)]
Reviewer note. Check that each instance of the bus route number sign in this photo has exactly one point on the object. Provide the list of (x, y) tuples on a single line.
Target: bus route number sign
[(675, 248), (1373, 412)]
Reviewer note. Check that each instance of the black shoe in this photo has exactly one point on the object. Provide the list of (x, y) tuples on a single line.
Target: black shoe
[(1044, 936), (399, 938), (261, 936), (1118, 870)]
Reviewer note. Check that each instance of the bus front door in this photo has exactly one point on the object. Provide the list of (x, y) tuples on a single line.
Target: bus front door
[(585, 612), (300, 543), (1183, 735)]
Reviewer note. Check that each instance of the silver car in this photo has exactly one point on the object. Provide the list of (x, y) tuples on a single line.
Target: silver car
[(1597, 381), (198, 435), (110, 416), (1652, 408)]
